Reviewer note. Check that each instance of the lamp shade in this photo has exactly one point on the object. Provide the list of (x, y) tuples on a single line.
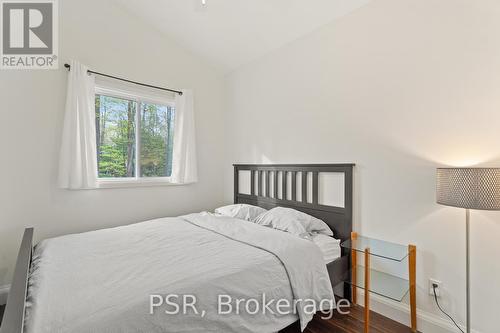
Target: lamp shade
[(471, 188)]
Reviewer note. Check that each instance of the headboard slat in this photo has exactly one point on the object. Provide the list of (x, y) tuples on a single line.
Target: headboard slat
[(275, 186), (252, 182), (259, 183), (284, 186), (304, 186), (266, 190), (315, 190)]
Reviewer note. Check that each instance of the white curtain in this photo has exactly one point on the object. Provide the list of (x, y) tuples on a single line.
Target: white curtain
[(78, 157), (184, 168)]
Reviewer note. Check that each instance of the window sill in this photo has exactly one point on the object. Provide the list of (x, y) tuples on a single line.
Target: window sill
[(134, 182)]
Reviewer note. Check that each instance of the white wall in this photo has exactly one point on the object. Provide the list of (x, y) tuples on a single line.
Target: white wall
[(110, 40), (398, 87)]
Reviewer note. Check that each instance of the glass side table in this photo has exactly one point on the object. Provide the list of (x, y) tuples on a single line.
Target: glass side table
[(380, 283)]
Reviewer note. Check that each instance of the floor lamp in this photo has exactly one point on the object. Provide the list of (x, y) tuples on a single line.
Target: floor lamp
[(469, 188)]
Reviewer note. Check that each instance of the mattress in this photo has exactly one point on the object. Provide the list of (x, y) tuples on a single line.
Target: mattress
[(105, 280)]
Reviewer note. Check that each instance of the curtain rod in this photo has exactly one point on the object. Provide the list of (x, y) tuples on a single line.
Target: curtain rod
[(129, 81)]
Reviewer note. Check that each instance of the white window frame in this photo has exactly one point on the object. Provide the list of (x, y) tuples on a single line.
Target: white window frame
[(139, 98)]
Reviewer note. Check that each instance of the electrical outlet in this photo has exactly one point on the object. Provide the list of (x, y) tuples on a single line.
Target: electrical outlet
[(433, 282)]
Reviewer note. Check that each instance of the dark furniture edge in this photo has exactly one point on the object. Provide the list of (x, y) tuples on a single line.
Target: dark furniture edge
[(13, 318)]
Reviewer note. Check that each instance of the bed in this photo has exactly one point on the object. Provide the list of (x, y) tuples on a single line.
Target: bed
[(107, 280)]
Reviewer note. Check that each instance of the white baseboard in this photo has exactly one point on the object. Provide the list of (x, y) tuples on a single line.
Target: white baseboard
[(426, 322), (4, 292)]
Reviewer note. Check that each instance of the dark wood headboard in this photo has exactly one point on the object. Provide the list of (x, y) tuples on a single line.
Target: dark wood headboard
[(266, 192)]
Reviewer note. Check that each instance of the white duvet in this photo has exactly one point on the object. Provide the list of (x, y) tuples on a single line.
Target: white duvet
[(102, 281)]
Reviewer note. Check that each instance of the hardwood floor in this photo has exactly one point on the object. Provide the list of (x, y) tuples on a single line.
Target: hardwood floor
[(351, 323)]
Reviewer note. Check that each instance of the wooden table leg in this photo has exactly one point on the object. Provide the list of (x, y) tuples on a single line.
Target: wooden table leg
[(354, 271), (367, 290), (412, 263)]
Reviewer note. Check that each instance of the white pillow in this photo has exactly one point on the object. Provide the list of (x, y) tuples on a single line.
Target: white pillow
[(241, 211), (293, 221)]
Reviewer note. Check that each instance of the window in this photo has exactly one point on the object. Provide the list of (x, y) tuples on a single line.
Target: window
[(134, 136)]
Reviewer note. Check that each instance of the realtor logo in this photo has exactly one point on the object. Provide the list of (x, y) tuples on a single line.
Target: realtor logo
[(29, 34)]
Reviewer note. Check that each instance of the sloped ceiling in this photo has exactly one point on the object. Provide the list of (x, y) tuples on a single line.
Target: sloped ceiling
[(230, 33)]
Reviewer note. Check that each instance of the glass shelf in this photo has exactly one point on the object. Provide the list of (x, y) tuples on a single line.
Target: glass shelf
[(382, 284), (377, 247)]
